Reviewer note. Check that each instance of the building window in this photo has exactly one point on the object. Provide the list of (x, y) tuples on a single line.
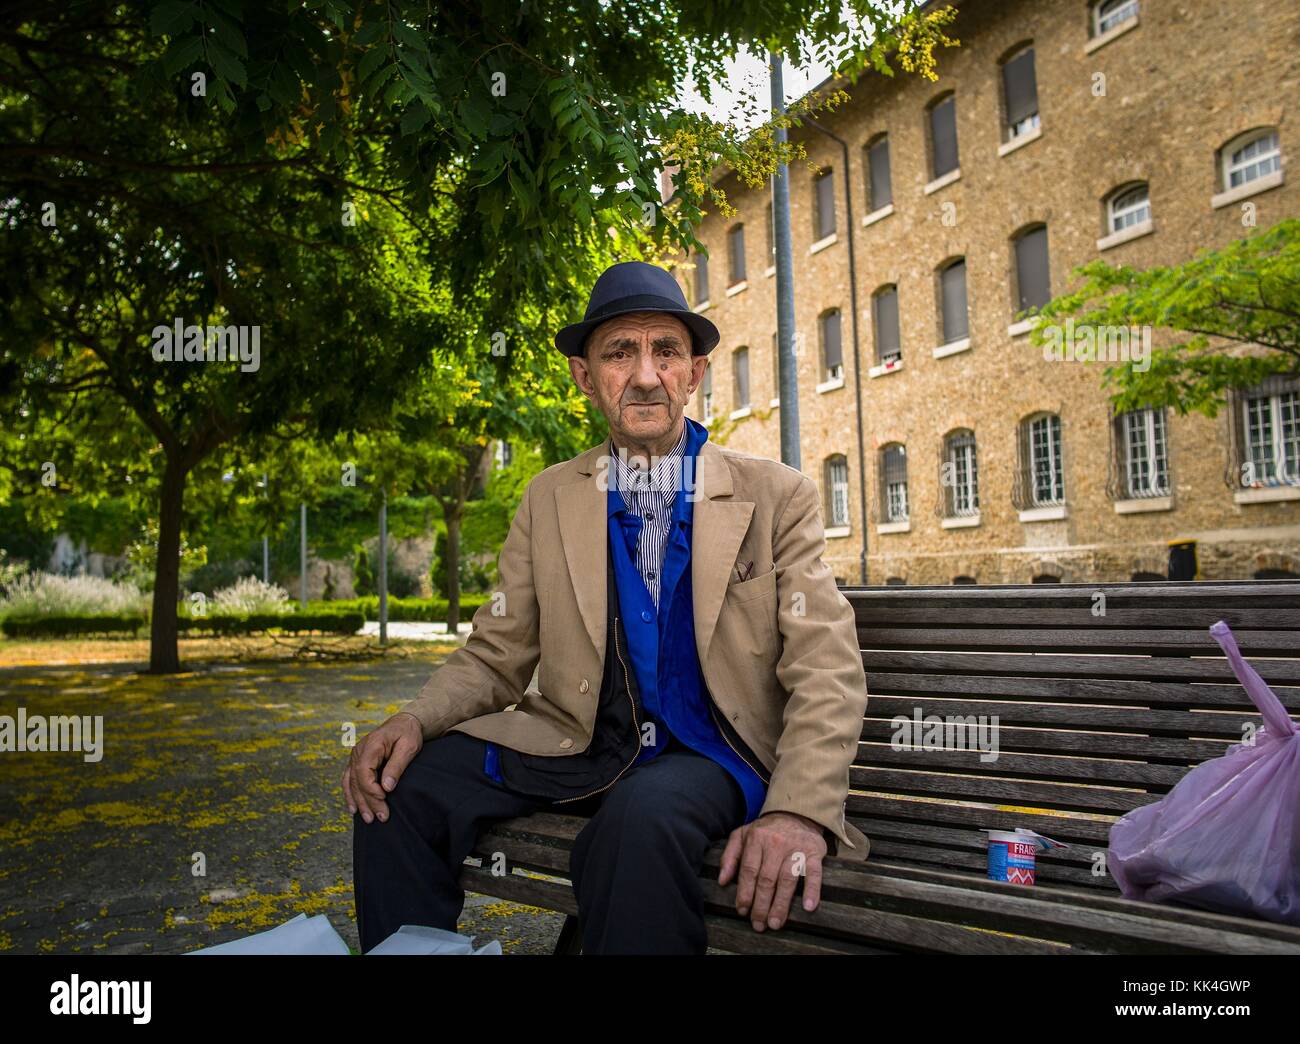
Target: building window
[(1271, 423), (1046, 578), (736, 253), (837, 490), (706, 391), (1251, 157), (504, 454), (893, 482), (823, 205), (1110, 13), (943, 135), (895, 581), (740, 375), (1128, 207), (884, 308), (1033, 283), (701, 279), (1042, 474), (952, 301), (832, 348), (959, 482), (1144, 453), (880, 190), (1019, 94), (963, 580)]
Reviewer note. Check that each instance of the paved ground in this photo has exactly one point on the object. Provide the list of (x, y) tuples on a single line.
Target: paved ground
[(234, 764)]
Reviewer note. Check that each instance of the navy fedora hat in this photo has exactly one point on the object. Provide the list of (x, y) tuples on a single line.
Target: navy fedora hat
[(635, 286)]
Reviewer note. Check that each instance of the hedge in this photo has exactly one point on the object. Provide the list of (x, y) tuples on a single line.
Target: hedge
[(289, 623), (402, 610), (67, 625)]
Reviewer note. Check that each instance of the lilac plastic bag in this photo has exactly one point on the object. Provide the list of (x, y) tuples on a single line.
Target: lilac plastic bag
[(1227, 837)]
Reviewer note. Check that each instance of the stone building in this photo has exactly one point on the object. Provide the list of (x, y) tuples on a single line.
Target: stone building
[(1137, 131)]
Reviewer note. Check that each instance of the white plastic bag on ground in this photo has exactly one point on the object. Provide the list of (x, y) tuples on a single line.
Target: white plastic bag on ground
[(413, 939), (299, 936), (315, 936)]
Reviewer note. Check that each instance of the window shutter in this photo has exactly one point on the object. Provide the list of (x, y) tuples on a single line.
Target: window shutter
[(886, 323), (1031, 269), (736, 239), (831, 349), (701, 279), (882, 192), (1021, 87), (943, 135), (825, 185), (953, 282)]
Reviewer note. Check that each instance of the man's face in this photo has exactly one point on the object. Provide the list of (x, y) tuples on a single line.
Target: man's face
[(639, 371)]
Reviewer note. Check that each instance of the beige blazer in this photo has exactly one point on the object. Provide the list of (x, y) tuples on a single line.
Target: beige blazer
[(778, 649)]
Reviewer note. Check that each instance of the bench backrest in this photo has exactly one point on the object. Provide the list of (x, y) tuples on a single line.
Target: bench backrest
[(1105, 695)]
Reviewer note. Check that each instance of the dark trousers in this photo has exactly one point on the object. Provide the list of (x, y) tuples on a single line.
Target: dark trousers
[(635, 864)]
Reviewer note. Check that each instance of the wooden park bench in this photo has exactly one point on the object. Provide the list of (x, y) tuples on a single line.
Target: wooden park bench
[(1103, 705)]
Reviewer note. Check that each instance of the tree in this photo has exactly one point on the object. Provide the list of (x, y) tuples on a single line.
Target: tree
[(136, 216), (359, 180), (1236, 311)]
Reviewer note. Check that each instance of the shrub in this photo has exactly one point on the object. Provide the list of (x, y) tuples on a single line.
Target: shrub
[(250, 595), (363, 577), (330, 622), (48, 594), (70, 625), (405, 610)]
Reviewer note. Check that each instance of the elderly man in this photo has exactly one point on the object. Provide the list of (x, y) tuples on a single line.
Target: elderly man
[(699, 676)]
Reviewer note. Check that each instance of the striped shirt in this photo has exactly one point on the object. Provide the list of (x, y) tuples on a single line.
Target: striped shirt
[(650, 493)]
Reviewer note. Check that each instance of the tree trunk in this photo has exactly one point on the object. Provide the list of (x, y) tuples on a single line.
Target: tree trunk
[(164, 656), (452, 558)]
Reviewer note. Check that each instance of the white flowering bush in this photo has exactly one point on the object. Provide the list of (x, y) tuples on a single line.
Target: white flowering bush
[(49, 594), (250, 595)]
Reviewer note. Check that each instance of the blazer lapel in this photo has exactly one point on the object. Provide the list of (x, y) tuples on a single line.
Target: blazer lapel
[(582, 507), (717, 529)]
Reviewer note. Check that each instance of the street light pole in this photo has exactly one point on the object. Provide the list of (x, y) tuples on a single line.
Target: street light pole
[(785, 319), (302, 559), (266, 542), (383, 569)]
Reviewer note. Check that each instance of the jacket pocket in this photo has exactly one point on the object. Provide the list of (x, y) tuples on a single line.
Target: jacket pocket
[(754, 587), (751, 605)]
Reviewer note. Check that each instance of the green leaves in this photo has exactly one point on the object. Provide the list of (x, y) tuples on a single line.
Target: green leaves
[(171, 17), (1228, 317)]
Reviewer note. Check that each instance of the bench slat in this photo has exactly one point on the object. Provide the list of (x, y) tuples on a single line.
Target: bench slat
[(1011, 639), (1046, 767), (1057, 665), (1081, 690), (1086, 718), (1158, 749), (1155, 618), (1005, 791)]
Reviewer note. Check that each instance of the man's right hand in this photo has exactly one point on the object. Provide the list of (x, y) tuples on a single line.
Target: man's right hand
[(377, 763)]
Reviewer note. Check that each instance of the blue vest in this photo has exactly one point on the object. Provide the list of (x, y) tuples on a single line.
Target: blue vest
[(673, 695), (662, 644)]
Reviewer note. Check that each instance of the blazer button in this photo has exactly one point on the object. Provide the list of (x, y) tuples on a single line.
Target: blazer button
[(566, 743), (584, 686)]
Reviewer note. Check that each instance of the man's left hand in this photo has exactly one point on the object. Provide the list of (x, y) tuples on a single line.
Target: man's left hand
[(772, 853)]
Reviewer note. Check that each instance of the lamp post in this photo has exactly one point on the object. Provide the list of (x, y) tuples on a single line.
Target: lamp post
[(786, 366)]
